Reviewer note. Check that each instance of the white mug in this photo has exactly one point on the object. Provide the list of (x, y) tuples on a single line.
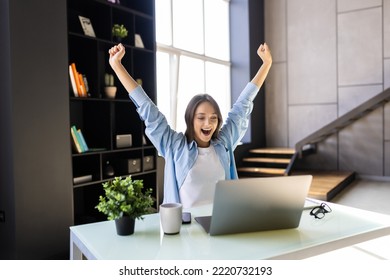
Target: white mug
[(170, 217)]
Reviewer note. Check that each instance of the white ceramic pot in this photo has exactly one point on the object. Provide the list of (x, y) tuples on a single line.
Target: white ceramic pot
[(110, 92)]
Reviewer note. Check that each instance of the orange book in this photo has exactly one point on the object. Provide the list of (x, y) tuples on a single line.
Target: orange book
[(77, 79), (82, 86)]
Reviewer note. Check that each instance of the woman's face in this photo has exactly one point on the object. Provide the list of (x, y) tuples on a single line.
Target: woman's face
[(205, 124)]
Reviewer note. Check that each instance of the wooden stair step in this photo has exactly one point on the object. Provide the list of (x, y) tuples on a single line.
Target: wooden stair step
[(327, 184), (262, 170), (267, 160), (276, 150)]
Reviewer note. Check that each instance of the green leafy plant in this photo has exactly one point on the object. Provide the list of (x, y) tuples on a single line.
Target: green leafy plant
[(125, 197), (119, 31)]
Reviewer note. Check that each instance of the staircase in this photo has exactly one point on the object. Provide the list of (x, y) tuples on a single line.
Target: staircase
[(274, 161), (343, 121), (267, 162)]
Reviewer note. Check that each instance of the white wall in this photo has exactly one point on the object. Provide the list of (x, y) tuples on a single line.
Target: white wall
[(329, 56)]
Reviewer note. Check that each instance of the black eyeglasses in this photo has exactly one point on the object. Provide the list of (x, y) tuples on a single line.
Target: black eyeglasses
[(319, 211)]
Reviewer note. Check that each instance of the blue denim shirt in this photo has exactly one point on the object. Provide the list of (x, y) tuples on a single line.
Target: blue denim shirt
[(179, 155)]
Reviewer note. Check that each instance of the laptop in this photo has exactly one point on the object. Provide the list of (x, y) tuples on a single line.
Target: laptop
[(257, 204)]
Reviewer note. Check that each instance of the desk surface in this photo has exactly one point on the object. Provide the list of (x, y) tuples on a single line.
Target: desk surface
[(343, 227)]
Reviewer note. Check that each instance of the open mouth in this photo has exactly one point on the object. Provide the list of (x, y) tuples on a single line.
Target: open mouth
[(206, 132)]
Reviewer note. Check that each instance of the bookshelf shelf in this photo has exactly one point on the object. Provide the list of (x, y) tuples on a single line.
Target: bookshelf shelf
[(102, 119)]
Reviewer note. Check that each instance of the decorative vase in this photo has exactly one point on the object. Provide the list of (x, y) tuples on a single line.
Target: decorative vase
[(109, 170), (125, 225)]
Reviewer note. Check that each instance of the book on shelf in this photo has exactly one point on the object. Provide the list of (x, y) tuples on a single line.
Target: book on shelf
[(75, 78), (86, 86), (73, 81), (75, 142), (78, 140), (79, 82), (82, 86), (82, 140)]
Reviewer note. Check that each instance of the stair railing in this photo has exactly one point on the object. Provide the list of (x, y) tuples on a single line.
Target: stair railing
[(343, 121)]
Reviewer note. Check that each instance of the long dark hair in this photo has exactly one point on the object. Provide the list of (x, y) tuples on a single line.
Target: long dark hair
[(190, 114)]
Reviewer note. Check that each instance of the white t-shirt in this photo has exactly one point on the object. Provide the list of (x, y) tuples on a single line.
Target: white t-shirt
[(199, 186)]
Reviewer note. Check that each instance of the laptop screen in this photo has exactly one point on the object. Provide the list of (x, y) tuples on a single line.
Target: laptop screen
[(257, 204)]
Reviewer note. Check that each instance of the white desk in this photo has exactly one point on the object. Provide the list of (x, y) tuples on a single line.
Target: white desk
[(344, 226)]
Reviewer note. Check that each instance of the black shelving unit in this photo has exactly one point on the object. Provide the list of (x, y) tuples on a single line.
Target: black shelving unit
[(100, 118)]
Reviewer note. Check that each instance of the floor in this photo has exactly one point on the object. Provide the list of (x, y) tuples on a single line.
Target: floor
[(368, 195)]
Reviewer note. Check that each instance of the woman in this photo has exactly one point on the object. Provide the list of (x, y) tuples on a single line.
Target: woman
[(196, 160)]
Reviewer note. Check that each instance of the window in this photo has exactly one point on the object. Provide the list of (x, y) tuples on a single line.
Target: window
[(192, 55)]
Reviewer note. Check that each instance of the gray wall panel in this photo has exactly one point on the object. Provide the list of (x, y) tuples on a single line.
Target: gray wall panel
[(361, 145), (350, 5), (351, 97), (304, 120), (387, 122), (311, 52), (387, 158), (275, 29), (386, 26), (360, 47), (276, 106), (387, 73), (326, 157)]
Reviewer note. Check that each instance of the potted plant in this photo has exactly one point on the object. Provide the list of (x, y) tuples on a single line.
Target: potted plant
[(125, 201), (119, 31), (110, 88)]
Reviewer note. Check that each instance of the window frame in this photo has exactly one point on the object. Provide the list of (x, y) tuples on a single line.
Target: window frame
[(175, 55)]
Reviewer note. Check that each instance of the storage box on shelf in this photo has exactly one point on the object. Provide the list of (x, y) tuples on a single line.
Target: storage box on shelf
[(102, 119)]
